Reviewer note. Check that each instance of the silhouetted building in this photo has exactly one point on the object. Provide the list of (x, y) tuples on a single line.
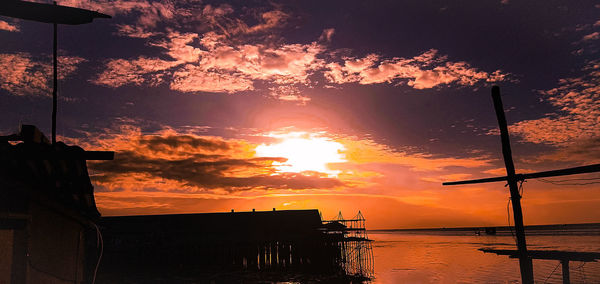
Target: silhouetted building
[(47, 211), (270, 240)]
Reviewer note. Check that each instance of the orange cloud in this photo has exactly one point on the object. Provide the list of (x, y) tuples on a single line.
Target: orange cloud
[(139, 71), (221, 69), (577, 115), (178, 171), (592, 36), (327, 34), (173, 161), (8, 27), (23, 75), (367, 151), (288, 93), (423, 71), (192, 78), (148, 13)]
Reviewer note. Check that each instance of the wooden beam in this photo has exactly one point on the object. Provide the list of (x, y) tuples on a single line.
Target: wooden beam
[(564, 172), (548, 254), (565, 271), (554, 173), (525, 262), (481, 180), (52, 155), (512, 178)]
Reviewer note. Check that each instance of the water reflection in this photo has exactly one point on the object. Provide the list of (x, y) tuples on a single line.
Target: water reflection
[(442, 257)]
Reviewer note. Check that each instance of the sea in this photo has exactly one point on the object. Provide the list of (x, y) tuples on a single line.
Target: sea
[(453, 255)]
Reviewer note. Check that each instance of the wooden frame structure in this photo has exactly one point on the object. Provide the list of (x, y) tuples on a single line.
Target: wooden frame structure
[(525, 257)]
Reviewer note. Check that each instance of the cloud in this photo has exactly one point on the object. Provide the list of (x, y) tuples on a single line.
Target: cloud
[(592, 36), (21, 74), (178, 46), (139, 71), (220, 19), (424, 71), (173, 161), (327, 34), (288, 93), (8, 27), (577, 115), (282, 64), (148, 13), (193, 78), (224, 54), (133, 31), (366, 151), (587, 150), (150, 16), (217, 67)]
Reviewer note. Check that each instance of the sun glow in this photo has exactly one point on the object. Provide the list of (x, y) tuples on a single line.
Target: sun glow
[(304, 152)]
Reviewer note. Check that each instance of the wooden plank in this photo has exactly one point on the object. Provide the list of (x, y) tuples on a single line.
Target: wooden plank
[(66, 155), (481, 180), (565, 272), (554, 173), (548, 254), (564, 172)]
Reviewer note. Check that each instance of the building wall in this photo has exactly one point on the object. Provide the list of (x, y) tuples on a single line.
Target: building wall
[(56, 248), (6, 252)]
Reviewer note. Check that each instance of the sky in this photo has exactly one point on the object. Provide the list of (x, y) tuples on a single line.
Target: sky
[(336, 105)]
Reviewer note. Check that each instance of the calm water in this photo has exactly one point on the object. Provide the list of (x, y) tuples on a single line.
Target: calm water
[(453, 257)]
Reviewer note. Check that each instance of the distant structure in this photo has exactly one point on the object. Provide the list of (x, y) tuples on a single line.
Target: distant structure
[(353, 248), (218, 245), (47, 211)]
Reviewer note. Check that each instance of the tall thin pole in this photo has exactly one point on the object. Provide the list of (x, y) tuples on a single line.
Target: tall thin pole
[(525, 262), (54, 100)]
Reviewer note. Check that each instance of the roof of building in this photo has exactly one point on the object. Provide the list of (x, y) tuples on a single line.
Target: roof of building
[(242, 225)]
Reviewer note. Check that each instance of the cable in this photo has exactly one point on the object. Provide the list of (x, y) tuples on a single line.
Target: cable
[(580, 268), (508, 214), (99, 244), (521, 188), (551, 273), (74, 280), (559, 182), (573, 179)]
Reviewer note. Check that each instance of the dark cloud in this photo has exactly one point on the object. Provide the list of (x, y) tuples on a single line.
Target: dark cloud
[(174, 162), (160, 143)]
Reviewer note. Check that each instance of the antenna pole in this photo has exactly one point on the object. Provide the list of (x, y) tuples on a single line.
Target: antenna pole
[(55, 84), (524, 260)]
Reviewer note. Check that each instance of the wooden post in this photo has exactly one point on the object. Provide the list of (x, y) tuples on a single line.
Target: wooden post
[(565, 271), (525, 262)]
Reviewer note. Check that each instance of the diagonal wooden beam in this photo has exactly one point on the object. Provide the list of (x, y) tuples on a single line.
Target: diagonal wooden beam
[(525, 262)]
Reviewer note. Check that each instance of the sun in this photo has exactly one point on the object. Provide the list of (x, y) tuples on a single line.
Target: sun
[(304, 152)]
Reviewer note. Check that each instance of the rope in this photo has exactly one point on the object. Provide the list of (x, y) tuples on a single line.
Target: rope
[(551, 273)]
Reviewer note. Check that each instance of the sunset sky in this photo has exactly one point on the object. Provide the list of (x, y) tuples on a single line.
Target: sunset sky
[(335, 105)]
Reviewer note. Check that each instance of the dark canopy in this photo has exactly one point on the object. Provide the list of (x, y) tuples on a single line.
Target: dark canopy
[(48, 13)]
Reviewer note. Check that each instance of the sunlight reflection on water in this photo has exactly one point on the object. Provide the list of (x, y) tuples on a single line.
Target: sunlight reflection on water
[(421, 257)]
